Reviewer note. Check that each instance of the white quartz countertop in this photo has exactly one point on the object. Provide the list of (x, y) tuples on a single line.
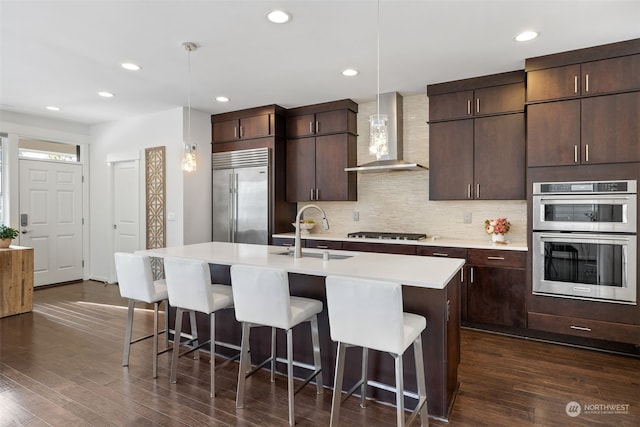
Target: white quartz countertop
[(421, 271), (429, 241)]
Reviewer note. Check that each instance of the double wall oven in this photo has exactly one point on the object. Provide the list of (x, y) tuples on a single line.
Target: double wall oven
[(585, 240)]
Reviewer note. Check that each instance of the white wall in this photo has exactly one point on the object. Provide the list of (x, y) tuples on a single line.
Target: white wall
[(185, 196)]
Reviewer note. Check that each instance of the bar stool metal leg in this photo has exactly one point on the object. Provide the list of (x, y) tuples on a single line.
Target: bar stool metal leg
[(273, 355), (194, 333), (364, 376), (291, 391), (128, 333), (156, 306), (317, 363), (337, 387), (244, 365), (422, 387), (213, 353), (176, 345), (399, 390)]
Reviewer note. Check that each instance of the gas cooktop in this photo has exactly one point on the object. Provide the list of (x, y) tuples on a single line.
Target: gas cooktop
[(387, 236)]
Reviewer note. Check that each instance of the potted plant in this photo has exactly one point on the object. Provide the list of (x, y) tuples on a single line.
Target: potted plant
[(6, 235)]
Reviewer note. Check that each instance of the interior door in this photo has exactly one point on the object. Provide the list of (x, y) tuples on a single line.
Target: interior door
[(126, 202), (51, 219)]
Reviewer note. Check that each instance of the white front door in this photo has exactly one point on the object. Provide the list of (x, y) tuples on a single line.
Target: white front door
[(51, 219)]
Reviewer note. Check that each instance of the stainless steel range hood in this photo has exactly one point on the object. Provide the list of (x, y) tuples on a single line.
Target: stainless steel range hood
[(391, 105)]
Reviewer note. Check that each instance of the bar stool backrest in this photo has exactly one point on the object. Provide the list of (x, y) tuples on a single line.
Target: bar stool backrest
[(189, 284), (366, 313), (261, 295), (135, 278)]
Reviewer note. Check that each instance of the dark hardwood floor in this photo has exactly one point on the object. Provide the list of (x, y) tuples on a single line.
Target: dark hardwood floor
[(61, 365)]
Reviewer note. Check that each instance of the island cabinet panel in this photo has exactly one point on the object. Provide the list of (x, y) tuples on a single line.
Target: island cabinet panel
[(496, 290), (16, 281)]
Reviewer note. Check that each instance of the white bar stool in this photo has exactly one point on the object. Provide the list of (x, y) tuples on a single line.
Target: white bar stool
[(368, 314), (261, 296), (190, 289), (135, 281)]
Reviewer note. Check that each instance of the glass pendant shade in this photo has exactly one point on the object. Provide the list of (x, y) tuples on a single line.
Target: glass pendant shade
[(189, 159), (378, 135)]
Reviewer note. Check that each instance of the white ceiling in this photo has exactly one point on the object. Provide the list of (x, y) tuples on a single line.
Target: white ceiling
[(63, 52)]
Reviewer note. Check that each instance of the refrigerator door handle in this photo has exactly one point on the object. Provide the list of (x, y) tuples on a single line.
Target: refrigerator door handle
[(231, 197)]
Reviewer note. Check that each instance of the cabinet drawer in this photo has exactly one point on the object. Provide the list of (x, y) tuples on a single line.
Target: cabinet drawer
[(283, 241), (386, 248), (442, 252), (323, 244), (587, 328), (497, 258)]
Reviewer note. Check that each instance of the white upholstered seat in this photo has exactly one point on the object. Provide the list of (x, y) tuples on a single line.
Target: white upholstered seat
[(190, 289), (261, 296), (135, 281), (369, 314)]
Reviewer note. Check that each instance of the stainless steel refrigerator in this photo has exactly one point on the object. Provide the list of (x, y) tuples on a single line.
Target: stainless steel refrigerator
[(240, 196)]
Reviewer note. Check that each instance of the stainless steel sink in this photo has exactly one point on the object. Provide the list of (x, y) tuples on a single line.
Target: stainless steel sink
[(317, 255)]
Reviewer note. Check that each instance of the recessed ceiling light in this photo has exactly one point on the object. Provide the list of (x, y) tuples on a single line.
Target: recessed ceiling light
[(105, 94), (53, 108), (278, 16), (526, 36), (350, 72), (222, 99), (130, 66)]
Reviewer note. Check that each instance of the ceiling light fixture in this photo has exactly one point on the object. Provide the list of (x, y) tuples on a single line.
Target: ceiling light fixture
[(189, 157), (525, 36), (105, 94), (350, 72), (53, 108), (278, 16), (130, 66), (378, 130), (222, 99)]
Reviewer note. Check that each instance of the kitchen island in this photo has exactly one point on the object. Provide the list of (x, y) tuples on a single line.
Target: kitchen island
[(431, 287)]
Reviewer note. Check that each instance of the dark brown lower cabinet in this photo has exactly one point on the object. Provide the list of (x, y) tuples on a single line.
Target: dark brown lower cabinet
[(496, 289)]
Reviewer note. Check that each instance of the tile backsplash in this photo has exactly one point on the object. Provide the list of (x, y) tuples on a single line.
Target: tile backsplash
[(399, 201)]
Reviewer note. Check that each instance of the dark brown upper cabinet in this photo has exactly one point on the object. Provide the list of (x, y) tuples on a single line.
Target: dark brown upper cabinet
[(253, 123), (477, 138), (321, 143)]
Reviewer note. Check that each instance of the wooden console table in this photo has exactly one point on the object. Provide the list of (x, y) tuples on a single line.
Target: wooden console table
[(16, 280)]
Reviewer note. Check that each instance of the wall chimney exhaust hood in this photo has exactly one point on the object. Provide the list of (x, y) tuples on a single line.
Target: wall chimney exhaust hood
[(391, 105)]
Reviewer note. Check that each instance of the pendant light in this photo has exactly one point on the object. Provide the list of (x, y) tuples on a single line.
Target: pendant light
[(378, 130), (189, 157)]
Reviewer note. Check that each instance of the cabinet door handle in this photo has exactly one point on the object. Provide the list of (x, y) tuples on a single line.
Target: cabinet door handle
[(468, 191), (241, 132), (317, 194), (468, 107), (322, 247), (586, 153), (471, 275), (317, 126), (586, 83), (235, 131), (477, 191), (496, 258), (575, 84), (440, 254), (580, 328), (575, 154), (462, 275), (311, 197), (477, 105), (310, 127)]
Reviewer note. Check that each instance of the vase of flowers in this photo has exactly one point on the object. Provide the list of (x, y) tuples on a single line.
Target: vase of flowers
[(497, 228)]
